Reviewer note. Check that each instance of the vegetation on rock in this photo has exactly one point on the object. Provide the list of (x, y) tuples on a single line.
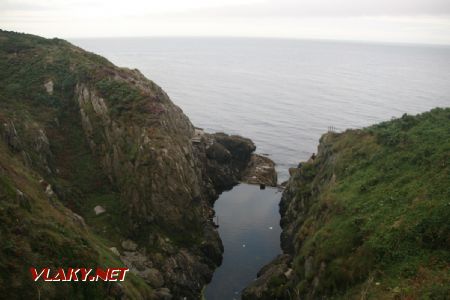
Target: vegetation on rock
[(368, 218)]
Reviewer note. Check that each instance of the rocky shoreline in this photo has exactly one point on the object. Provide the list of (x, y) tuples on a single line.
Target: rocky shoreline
[(104, 149)]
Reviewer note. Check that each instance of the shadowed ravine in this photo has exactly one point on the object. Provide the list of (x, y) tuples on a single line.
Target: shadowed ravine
[(249, 228)]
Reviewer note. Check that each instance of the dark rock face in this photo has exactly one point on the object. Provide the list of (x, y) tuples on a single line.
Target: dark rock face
[(225, 158), (260, 170), (279, 269), (219, 153), (239, 147), (230, 159)]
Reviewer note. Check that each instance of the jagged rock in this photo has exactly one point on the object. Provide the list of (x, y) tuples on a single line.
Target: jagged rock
[(212, 248), (129, 245), (115, 251), (99, 210), (240, 148), (136, 261), (42, 143), (289, 273), (23, 200), (153, 277), (49, 190), (260, 170), (79, 220), (99, 105), (10, 136), (227, 158), (20, 195), (277, 269), (49, 87), (218, 152)]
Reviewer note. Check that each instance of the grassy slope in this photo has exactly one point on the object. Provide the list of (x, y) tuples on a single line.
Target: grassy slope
[(379, 216), (25, 63), (40, 232)]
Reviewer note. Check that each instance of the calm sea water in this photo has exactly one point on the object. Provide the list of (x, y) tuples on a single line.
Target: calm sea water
[(250, 231), (283, 94)]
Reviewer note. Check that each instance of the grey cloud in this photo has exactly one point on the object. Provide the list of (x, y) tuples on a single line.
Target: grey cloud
[(331, 8), (9, 5)]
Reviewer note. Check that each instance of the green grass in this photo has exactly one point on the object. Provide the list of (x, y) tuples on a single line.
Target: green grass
[(385, 215)]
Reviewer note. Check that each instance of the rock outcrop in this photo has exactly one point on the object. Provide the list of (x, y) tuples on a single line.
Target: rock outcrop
[(107, 147), (261, 170), (363, 219)]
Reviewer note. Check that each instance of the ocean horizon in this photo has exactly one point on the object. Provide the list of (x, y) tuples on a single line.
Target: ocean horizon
[(285, 93)]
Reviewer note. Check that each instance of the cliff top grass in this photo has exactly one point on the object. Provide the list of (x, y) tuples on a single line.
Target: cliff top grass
[(30, 61), (378, 224)]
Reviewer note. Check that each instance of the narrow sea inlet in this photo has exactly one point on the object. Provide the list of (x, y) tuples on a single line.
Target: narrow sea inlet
[(249, 228)]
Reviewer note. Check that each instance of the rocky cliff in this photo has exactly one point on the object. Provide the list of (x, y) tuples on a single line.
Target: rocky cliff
[(99, 168), (368, 218)]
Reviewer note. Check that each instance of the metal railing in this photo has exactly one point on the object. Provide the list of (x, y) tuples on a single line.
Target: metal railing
[(332, 129)]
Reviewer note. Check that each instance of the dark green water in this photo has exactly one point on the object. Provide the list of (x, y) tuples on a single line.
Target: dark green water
[(250, 231)]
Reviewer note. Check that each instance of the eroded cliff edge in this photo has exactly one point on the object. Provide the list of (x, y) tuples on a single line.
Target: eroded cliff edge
[(99, 168), (368, 217)]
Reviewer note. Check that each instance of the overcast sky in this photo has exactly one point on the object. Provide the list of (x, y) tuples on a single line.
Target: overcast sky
[(410, 21)]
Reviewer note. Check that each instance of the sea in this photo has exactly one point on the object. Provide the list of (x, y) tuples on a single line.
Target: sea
[(284, 94)]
